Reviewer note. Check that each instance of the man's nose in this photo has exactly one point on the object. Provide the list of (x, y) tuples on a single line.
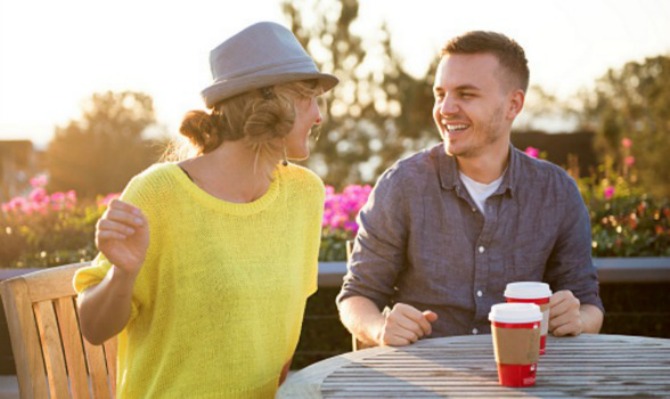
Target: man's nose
[(449, 106)]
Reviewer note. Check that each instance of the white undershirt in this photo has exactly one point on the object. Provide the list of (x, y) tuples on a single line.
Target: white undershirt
[(480, 191)]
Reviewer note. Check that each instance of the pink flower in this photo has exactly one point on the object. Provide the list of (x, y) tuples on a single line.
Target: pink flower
[(38, 195), (626, 142), (629, 160), (532, 152), (38, 181), (342, 208), (609, 192), (351, 226)]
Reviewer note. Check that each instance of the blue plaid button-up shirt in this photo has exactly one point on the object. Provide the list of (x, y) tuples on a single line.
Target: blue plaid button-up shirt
[(423, 241)]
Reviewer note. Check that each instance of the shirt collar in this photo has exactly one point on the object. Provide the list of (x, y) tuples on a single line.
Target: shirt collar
[(448, 170)]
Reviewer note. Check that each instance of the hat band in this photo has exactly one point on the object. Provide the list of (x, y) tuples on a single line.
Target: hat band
[(301, 65)]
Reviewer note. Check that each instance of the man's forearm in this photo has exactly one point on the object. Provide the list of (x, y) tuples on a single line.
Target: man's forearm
[(362, 318), (592, 318)]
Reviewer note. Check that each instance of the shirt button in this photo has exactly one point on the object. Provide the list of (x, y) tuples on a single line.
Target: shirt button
[(481, 249), (475, 331), (479, 293)]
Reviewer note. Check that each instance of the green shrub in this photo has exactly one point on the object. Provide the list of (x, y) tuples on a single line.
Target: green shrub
[(625, 222), (41, 229)]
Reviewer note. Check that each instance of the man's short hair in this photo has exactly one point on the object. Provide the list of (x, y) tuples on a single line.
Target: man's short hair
[(508, 52)]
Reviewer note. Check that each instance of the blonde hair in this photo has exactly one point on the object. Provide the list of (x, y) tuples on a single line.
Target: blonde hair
[(258, 117)]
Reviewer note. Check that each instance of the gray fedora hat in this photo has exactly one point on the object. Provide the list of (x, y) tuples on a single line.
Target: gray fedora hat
[(263, 54)]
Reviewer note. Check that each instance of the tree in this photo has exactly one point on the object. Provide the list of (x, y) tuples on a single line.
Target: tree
[(544, 111), (99, 153), (378, 112), (634, 103)]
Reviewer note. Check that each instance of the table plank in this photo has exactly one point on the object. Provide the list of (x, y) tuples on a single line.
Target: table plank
[(584, 366)]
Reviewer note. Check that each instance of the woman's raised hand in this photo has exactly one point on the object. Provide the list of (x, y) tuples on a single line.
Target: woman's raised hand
[(122, 235)]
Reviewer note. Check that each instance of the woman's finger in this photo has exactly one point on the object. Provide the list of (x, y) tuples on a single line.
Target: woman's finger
[(122, 216), (123, 206), (107, 224), (110, 235)]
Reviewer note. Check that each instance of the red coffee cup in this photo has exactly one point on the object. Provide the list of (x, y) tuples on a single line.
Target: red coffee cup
[(532, 292), (515, 330)]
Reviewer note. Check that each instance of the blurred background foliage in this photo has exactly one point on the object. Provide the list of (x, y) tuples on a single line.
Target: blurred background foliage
[(634, 102), (378, 114), (100, 152), (43, 229)]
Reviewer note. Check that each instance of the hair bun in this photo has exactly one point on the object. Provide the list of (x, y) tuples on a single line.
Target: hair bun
[(201, 129)]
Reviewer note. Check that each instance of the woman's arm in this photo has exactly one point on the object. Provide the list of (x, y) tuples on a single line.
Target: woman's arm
[(122, 235)]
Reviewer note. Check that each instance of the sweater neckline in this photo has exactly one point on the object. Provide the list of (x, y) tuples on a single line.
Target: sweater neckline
[(235, 208)]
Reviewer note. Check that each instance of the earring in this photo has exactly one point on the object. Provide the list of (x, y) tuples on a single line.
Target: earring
[(285, 160)]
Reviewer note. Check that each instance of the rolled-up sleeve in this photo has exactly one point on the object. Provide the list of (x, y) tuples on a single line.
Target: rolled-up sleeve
[(379, 248), (570, 265)]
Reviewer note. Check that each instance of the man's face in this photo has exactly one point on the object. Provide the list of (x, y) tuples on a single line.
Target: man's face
[(474, 107)]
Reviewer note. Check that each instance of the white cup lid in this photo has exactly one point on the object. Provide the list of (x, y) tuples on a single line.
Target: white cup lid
[(527, 290), (515, 313)]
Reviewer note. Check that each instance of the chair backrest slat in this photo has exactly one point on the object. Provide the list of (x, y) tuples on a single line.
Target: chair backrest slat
[(110, 358), (95, 357), (73, 347), (52, 359), (25, 339), (52, 349)]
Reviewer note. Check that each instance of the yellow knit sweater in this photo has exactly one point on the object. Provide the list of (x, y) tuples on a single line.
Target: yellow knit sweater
[(218, 304)]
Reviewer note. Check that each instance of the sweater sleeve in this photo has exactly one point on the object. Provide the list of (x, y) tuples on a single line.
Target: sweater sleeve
[(135, 193)]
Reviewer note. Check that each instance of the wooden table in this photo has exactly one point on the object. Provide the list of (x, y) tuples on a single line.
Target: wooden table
[(587, 366)]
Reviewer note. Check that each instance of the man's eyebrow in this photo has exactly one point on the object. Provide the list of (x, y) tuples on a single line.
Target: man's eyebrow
[(438, 89), (467, 87)]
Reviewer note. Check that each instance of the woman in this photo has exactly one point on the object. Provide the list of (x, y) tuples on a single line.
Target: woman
[(205, 265)]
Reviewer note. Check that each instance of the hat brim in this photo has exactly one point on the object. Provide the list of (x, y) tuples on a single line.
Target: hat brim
[(220, 91)]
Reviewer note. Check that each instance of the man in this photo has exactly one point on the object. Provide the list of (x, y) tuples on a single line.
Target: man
[(446, 229)]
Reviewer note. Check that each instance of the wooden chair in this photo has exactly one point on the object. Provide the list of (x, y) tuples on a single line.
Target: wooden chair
[(52, 359)]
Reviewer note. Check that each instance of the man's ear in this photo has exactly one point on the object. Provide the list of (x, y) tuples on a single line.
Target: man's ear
[(515, 103)]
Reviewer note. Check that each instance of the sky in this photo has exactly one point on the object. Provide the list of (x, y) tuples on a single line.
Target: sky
[(55, 54)]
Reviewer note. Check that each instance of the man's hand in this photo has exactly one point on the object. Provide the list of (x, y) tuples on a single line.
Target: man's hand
[(404, 325), (564, 314), (568, 317)]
